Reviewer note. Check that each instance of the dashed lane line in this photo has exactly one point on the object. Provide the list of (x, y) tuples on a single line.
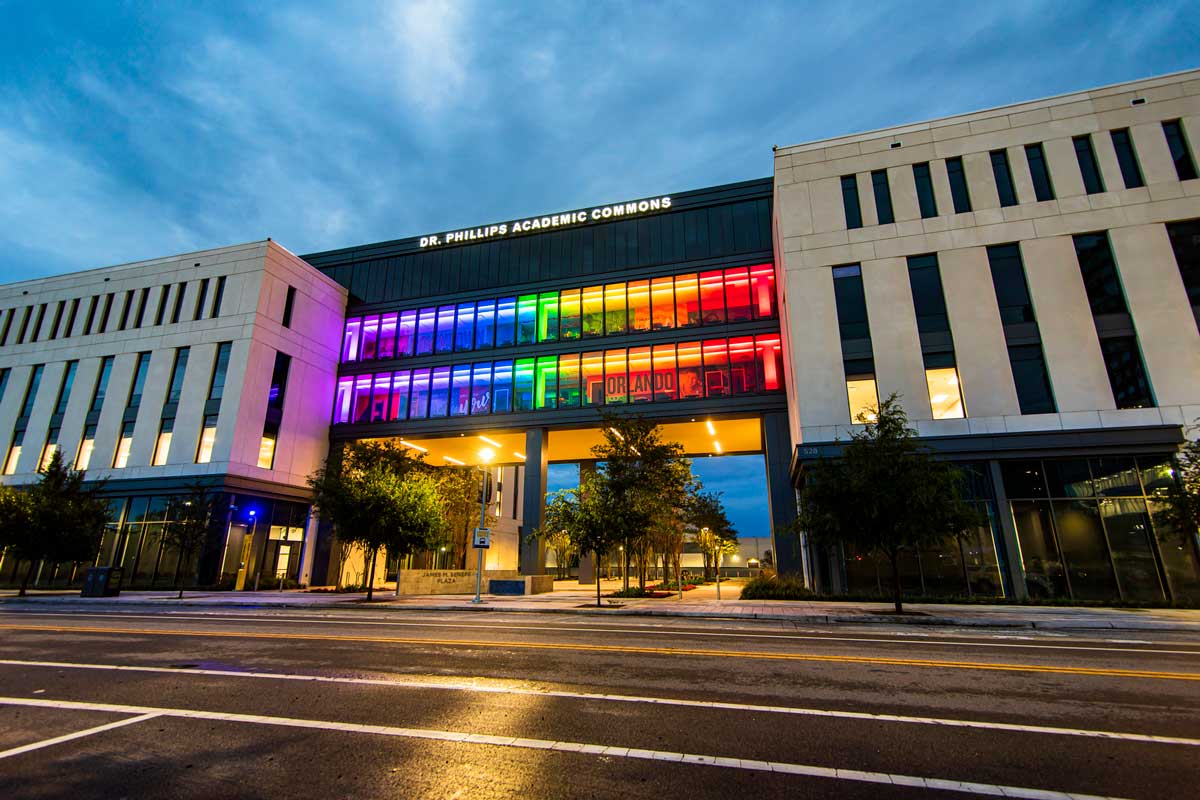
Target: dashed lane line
[(16, 751), (582, 748), (659, 632), (494, 688), (624, 649)]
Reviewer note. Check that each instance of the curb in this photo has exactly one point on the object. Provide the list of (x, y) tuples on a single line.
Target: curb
[(804, 619)]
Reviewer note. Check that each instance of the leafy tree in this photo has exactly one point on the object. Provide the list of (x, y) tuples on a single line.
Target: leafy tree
[(59, 518), (190, 518), (414, 519), (715, 534), (562, 544), (886, 494), (641, 474), (1182, 497), (582, 513), (360, 491), (459, 489)]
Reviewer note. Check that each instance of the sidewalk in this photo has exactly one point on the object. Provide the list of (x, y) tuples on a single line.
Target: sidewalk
[(570, 597)]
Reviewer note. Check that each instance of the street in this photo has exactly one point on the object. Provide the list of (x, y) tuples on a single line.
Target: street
[(360, 703)]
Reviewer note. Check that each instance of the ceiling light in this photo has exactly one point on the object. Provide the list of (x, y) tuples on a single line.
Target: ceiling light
[(617, 433), (717, 445), (412, 446), (711, 431), (486, 455), (519, 455), (492, 442), (453, 460)]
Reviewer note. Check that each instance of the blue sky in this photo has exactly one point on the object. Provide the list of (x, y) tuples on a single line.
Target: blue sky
[(133, 130)]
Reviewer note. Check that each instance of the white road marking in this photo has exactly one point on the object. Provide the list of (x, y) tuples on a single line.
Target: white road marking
[(16, 751), (572, 747), (321, 620), (400, 683)]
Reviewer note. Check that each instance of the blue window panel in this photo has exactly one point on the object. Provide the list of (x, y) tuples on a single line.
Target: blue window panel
[(460, 391), (485, 324), (506, 321), (426, 323), (502, 374), (418, 405), (439, 392), (445, 330), (406, 334), (464, 327), (481, 389)]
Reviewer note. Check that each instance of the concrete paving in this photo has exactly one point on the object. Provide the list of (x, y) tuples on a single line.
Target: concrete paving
[(571, 597)]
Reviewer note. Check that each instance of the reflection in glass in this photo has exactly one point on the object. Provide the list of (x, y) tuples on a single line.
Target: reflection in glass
[(944, 395), (864, 401), (1128, 527), (1180, 558), (1081, 540), (1044, 575)]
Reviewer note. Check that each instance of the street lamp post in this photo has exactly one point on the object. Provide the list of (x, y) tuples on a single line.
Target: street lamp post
[(485, 457), (254, 544)]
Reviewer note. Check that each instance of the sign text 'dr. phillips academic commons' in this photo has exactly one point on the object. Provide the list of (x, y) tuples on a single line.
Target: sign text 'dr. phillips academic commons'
[(597, 214)]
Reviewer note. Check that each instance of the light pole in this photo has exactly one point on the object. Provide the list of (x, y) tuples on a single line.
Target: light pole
[(485, 457)]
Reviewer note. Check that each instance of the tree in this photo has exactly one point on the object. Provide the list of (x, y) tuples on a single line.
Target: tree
[(581, 512), (1182, 496), (59, 518), (561, 543), (642, 475), (715, 535), (190, 518), (886, 494), (360, 491), (459, 489)]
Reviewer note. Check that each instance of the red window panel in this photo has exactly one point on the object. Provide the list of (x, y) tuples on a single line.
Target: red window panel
[(762, 290), (716, 368), (616, 385), (742, 371), (665, 387), (737, 295), (770, 363), (687, 300), (712, 297), (641, 376), (593, 378)]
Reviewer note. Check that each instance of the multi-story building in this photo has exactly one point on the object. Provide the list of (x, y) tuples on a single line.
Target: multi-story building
[(1024, 279)]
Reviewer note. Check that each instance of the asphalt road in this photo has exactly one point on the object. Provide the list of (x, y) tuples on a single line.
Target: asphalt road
[(359, 704)]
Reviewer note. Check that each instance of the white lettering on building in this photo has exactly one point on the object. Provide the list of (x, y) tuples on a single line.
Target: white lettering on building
[(546, 223)]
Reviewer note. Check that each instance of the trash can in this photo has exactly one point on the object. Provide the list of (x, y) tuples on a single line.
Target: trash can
[(102, 582)]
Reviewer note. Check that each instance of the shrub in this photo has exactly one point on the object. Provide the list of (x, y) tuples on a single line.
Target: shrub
[(773, 587)]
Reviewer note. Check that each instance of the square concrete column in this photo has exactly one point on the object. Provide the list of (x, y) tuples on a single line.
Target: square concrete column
[(781, 496), (1015, 577), (533, 516)]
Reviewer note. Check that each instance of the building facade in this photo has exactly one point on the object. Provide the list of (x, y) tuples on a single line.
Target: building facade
[(1024, 279), (211, 368)]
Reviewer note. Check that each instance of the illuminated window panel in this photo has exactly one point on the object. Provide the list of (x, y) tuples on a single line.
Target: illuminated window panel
[(370, 335), (546, 388), (616, 382), (691, 371), (362, 399), (439, 392), (379, 397), (266, 448), (398, 409), (485, 324), (863, 397), (687, 300), (208, 438), (444, 341), (14, 455), (770, 363), (569, 315), (638, 297), (460, 391), (547, 317), (716, 368), (712, 297), (387, 335), (506, 321), (945, 395), (406, 333), (163, 445), (418, 402), (743, 373), (737, 295), (502, 375), (343, 401), (762, 290), (523, 384), (614, 308), (641, 375), (526, 318), (664, 372), (350, 339), (568, 381), (464, 327), (662, 303), (593, 311), (481, 389), (88, 444), (592, 372), (426, 326)]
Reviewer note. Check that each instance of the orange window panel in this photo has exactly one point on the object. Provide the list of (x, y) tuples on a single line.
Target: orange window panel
[(592, 371), (665, 385), (662, 301), (687, 300), (691, 372), (641, 376), (616, 384), (639, 305), (762, 291)]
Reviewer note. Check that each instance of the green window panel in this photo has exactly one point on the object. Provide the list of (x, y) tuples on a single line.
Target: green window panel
[(526, 318), (547, 317), (523, 384), (546, 393)]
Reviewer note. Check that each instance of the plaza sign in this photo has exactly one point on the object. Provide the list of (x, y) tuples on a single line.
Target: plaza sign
[(569, 218)]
